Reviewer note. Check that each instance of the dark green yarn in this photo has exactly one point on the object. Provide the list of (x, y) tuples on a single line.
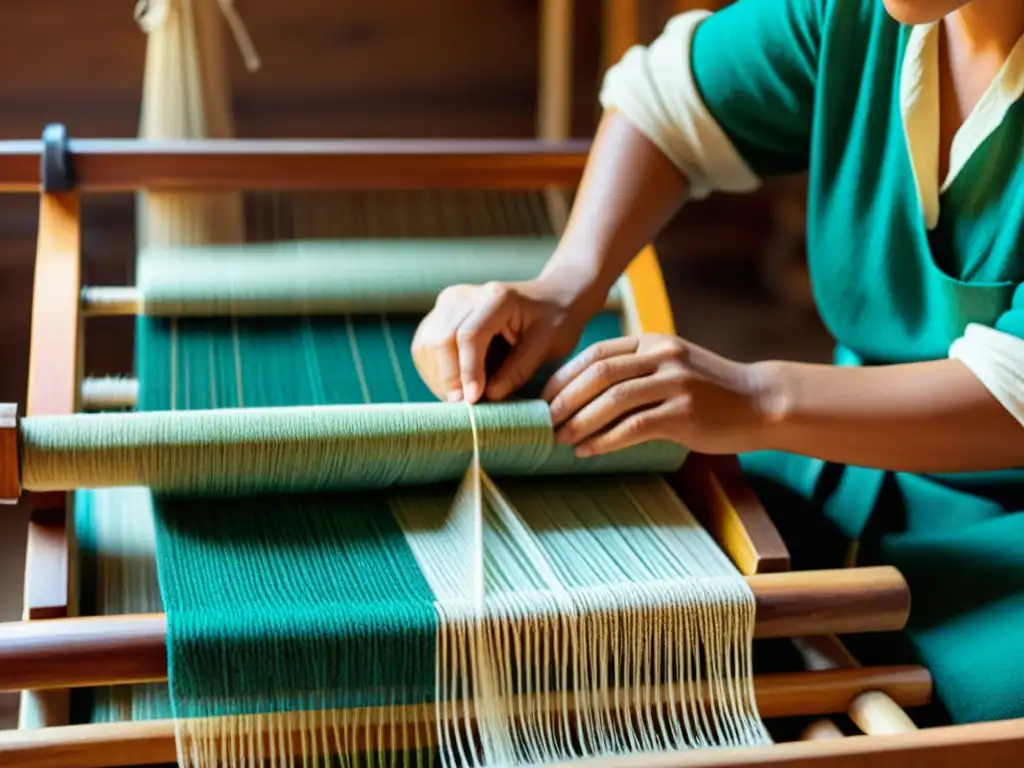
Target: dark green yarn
[(295, 361), (275, 605), (284, 603)]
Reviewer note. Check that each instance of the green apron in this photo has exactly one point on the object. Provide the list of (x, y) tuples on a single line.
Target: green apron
[(957, 539), (822, 91)]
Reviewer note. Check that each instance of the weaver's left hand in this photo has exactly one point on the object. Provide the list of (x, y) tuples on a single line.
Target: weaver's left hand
[(633, 390)]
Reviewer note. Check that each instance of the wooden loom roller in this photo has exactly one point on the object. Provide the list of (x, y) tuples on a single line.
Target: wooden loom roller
[(54, 389), (120, 650)]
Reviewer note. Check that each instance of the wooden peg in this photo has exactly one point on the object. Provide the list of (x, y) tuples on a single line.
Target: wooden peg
[(10, 472)]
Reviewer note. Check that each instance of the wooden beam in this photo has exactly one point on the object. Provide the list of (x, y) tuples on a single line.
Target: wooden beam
[(554, 92), (54, 343), (715, 490), (874, 712), (46, 565), (10, 474), (153, 742), (121, 165), (109, 650), (53, 389), (620, 29)]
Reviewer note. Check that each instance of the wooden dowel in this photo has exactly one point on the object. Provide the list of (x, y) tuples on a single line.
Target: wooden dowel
[(979, 745), (620, 29), (876, 714), (821, 729), (148, 743), (116, 650), (109, 393), (121, 165), (121, 301), (111, 301), (872, 711)]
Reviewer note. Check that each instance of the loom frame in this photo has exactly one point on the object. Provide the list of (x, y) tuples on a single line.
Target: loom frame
[(712, 486)]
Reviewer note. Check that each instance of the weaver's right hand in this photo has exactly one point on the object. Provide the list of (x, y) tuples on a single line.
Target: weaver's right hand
[(539, 319)]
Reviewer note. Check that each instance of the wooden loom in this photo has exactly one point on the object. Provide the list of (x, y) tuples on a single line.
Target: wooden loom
[(53, 650)]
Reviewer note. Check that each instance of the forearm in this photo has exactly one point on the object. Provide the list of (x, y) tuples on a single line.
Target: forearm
[(657, 146), (918, 417), (628, 193)]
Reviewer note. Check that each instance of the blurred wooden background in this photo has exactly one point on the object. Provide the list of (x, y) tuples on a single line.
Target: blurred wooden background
[(447, 68)]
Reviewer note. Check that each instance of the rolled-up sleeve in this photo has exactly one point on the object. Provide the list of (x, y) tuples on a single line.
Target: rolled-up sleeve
[(996, 355), (727, 97)]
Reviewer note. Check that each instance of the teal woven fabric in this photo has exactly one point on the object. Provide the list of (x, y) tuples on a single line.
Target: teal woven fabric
[(279, 603), (294, 361)]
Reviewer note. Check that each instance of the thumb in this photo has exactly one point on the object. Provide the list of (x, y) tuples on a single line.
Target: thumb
[(473, 340)]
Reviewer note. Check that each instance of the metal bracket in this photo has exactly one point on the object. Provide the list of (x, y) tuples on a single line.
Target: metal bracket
[(57, 170)]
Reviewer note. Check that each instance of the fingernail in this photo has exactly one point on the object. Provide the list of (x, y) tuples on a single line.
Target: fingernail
[(455, 396), (472, 392), (583, 451), (556, 411)]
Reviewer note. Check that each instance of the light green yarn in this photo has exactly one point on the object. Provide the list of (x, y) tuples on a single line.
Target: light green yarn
[(315, 277), (305, 449)]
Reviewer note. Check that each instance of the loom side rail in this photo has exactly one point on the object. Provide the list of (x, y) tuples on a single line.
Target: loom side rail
[(983, 744), (119, 165), (711, 486), (55, 353), (114, 650), (152, 742), (714, 489)]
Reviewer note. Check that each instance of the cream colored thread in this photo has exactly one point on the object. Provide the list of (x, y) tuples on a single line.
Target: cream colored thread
[(566, 571), (357, 360), (150, 15)]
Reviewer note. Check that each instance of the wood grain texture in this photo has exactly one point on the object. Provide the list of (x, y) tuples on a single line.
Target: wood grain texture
[(103, 650), (718, 495), (872, 711), (54, 346), (46, 563), (10, 472), (53, 388), (113, 165), (141, 743)]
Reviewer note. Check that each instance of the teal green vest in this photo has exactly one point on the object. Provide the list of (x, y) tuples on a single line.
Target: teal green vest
[(816, 87)]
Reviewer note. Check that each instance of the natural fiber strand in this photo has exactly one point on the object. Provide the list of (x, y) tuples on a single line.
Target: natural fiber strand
[(328, 277), (186, 95)]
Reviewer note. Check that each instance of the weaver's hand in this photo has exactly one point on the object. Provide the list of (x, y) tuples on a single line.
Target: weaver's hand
[(539, 319), (633, 390)]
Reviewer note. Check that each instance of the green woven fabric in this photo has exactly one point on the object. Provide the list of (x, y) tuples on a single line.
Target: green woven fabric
[(284, 602)]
